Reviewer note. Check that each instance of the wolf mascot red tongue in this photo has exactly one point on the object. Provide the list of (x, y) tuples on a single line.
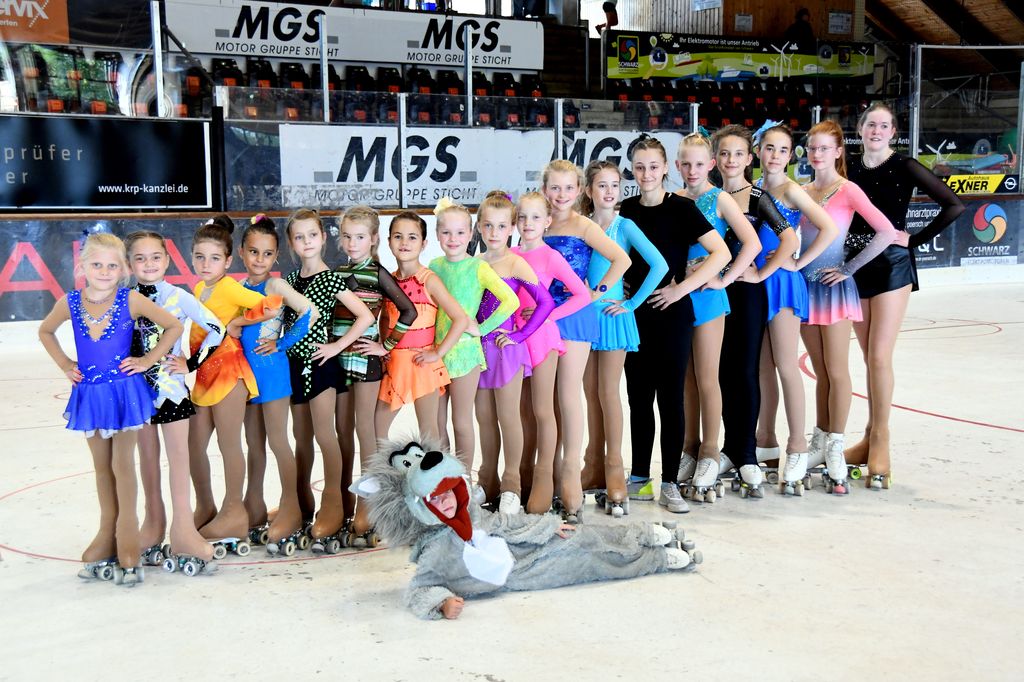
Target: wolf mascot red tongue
[(460, 523)]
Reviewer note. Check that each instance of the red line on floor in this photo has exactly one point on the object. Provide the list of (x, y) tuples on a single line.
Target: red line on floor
[(804, 359)]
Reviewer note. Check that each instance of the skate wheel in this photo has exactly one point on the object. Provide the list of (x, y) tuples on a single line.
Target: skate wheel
[(118, 576), (710, 497), (688, 545), (140, 574), (773, 477), (697, 557), (170, 565), (735, 485), (303, 542), (347, 540), (808, 483), (798, 489), (219, 552), (190, 568), (243, 548), (720, 488), (372, 540), (264, 537), (166, 549), (855, 473), (333, 546), (743, 492), (289, 548), (106, 573)]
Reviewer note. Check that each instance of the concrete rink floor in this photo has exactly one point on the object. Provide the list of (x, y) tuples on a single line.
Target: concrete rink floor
[(923, 581)]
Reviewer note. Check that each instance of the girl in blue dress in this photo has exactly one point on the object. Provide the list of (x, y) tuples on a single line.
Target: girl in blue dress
[(110, 398), (617, 335)]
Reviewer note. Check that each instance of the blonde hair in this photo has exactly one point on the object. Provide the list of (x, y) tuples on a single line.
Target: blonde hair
[(363, 215), (105, 241), (561, 166), (496, 200), (695, 140), (536, 196), (449, 207)]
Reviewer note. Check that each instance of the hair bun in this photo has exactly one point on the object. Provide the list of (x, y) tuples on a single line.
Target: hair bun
[(443, 204)]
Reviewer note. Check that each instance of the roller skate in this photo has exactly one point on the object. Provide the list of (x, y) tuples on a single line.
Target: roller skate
[(749, 481), (129, 577), (155, 555), (288, 544), (572, 518), (99, 570), (509, 503), (670, 499), (640, 489), (795, 477), (878, 481), (687, 465), (189, 565), (706, 485), (681, 553), (835, 465), (816, 449), (365, 540), (240, 546), (771, 474), (259, 535)]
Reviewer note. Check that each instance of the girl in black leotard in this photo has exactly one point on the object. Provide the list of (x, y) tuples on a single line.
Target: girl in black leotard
[(888, 179)]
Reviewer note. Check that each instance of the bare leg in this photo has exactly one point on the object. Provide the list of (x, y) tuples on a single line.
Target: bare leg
[(331, 516), (610, 365), (707, 350), (858, 452), (463, 395), (542, 391), (836, 345), (289, 517), (200, 430), (766, 434), (506, 400), (592, 476), (426, 414), (127, 527), (185, 539), (812, 338), (784, 332), (569, 381), (154, 524), (231, 521), (490, 442), (302, 430), (442, 423), (383, 418), (365, 401), (691, 407), (104, 545), (345, 424), (529, 422), (887, 312), (256, 464)]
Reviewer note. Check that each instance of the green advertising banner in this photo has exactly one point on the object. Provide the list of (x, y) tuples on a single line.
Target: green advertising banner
[(633, 54)]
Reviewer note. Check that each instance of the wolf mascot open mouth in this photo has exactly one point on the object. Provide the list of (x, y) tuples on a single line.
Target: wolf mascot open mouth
[(463, 551)]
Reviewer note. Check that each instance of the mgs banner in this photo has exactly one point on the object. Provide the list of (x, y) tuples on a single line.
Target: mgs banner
[(265, 29), (72, 162), (333, 166), (633, 54)]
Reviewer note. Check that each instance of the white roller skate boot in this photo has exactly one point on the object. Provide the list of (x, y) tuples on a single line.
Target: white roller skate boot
[(751, 479), (794, 476), (662, 535), (687, 465), (816, 448), (835, 463), (764, 455), (706, 487), (676, 559), (670, 499), (509, 503)]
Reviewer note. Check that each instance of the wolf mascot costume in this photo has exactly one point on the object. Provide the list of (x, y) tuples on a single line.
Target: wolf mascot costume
[(479, 553)]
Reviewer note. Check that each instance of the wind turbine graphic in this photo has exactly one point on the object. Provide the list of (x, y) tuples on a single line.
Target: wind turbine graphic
[(783, 61)]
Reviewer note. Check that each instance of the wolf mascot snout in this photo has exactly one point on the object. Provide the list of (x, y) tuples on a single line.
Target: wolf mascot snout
[(418, 495)]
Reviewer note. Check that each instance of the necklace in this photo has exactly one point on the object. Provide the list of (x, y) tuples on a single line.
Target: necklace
[(867, 166), (101, 301), (737, 191), (96, 320)]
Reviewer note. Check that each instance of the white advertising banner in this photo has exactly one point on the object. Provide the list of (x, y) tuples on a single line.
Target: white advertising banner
[(285, 31), (338, 166)]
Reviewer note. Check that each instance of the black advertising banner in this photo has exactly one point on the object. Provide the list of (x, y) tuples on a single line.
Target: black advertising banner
[(38, 257), (125, 23), (987, 233), (89, 163)]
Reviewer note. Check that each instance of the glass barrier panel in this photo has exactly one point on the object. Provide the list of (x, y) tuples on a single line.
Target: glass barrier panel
[(969, 118), (624, 114), (514, 112), (299, 105)]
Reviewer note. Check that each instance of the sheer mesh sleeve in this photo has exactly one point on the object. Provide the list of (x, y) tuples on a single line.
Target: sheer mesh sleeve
[(885, 233), (406, 308), (768, 211), (927, 182)]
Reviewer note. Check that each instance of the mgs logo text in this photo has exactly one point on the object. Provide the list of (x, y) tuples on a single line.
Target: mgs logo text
[(287, 24), (440, 34)]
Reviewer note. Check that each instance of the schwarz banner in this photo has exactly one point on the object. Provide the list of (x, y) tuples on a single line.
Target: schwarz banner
[(635, 54), (987, 233), (80, 162), (282, 30)]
